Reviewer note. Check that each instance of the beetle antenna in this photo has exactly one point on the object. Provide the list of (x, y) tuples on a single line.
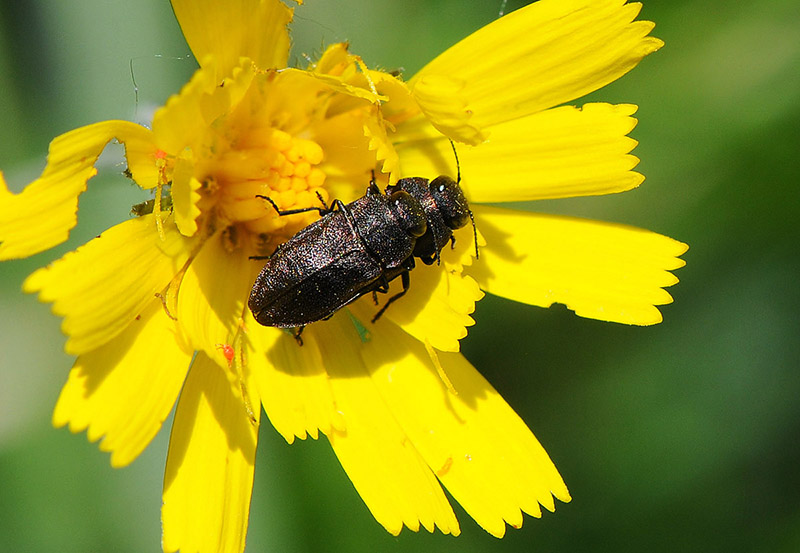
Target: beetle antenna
[(458, 167), (474, 233), (471, 216)]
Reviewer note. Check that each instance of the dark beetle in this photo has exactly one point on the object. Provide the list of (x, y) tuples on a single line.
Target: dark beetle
[(355, 249)]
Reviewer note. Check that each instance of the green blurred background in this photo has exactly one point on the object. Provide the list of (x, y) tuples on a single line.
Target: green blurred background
[(678, 437)]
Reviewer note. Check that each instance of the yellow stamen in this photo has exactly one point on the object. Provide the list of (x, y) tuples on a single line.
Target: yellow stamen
[(236, 364), (439, 369), (266, 161)]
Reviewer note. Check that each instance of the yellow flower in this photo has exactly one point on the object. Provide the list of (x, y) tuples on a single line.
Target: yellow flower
[(156, 306)]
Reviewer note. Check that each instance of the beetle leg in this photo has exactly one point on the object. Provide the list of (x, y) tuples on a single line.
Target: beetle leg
[(297, 332), (282, 212), (406, 280), (382, 286), (373, 189), (339, 205), (322, 201), (263, 257)]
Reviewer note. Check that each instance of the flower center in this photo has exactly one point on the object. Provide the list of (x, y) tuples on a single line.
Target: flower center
[(270, 162)]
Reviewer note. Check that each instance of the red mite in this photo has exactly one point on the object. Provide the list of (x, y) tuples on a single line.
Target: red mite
[(228, 352)]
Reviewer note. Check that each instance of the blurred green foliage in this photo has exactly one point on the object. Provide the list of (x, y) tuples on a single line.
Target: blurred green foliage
[(678, 437)]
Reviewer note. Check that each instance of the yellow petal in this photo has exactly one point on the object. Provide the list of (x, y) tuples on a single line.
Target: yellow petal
[(400, 104), (336, 60), (123, 390), (441, 100), (349, 92), (212, 295), (599, 270), (185, 194), (380, 143), (481, 450), (340, 71), (556, 153), (102, 287), (347, 153), (42, 215), (188, 116), (226, 31), (209, 474), (439, 300), (543, 55), (292, 382), (389, 474), (143, 163)]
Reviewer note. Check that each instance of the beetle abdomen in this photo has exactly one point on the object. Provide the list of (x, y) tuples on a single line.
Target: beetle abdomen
[(319, 294), (303, 282)]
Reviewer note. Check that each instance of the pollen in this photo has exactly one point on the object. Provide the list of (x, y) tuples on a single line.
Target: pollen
[(270, 162)]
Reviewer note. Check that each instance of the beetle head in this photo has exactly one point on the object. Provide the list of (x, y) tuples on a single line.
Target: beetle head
[(451, 202)]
